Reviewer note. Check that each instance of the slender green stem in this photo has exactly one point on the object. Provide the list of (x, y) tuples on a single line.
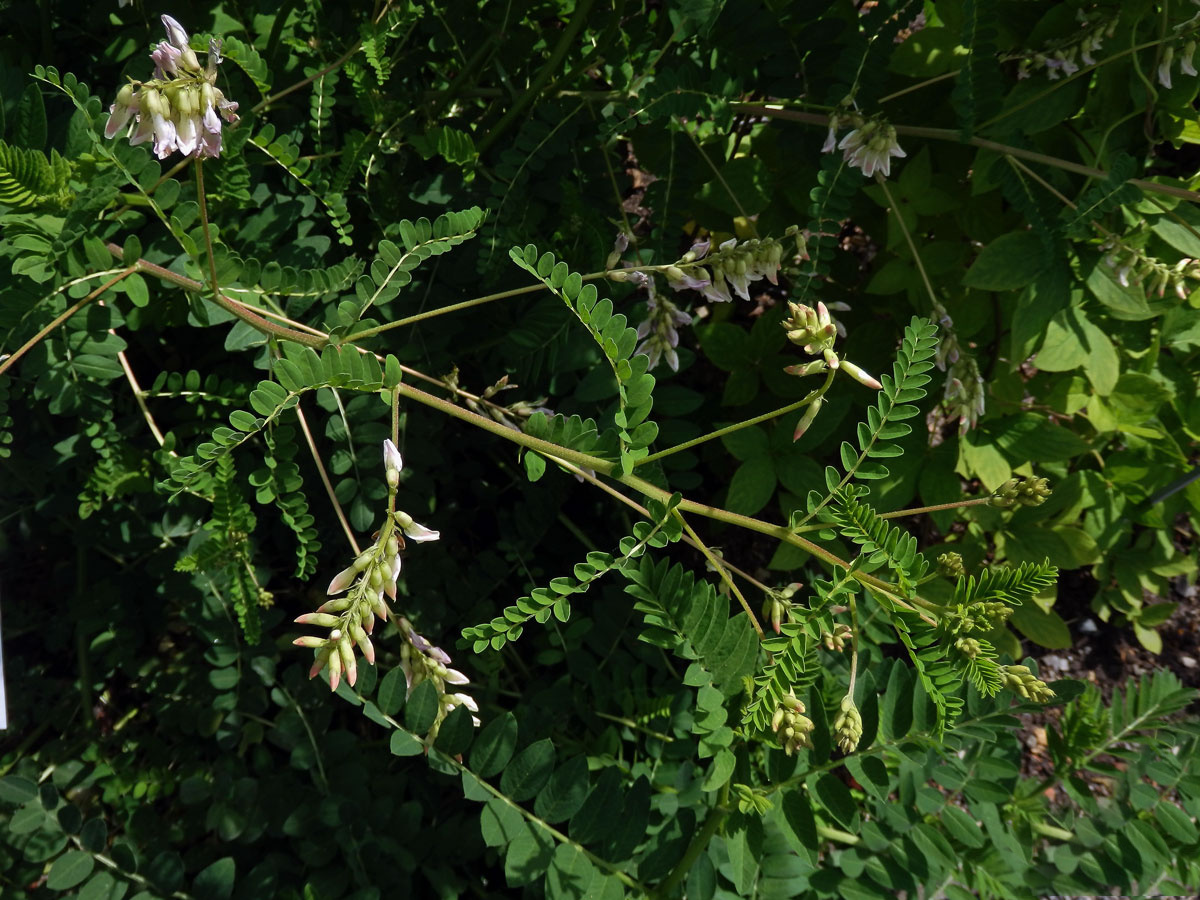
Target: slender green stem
[(908, 238), (716, 172), (233, 307), (633, 504), (606, 467), (729, 429), (721, 570), (480, 301), (920, 84), (329, 491), (836, 834), (853, 646), (629, 723), (696, 846), (208, 244), (6, 364), (950, 134), (304, 82), (455, 307), (565, 41), (1084, 71), (937, 507), (554, 451)]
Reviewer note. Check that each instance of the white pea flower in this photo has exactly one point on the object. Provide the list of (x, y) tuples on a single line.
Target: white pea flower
[(1164, 67), (870, 147), (658, 333), (180, 108)]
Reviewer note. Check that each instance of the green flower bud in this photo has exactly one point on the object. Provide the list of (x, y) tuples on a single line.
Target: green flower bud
[(951, 565), (847, 725)]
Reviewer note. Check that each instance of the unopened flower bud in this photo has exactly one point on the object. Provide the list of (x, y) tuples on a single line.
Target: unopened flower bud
[(321, 620), (847, 725), (807, 419), (860, 376)]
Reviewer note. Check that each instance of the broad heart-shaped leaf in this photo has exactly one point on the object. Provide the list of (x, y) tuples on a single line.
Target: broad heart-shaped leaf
[(835, 797), (752, 485), (215, 881), (404, 744), (528, 771), (70, 870), (454, 735), (528, 855), (1009, 262), (896, 715), (572, 876), (390, 697), (565, 793), (422, 708), (494, 747), (801, 825), (598, 816), (1046, 629)]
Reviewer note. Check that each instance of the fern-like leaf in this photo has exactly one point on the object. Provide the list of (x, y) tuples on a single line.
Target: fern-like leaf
[(1007, 585), (689, 618), (618, 341), (978, 92), (540, 603), (1104, 197), (30, 180), (881, 542), (893, 404), (300, 371)]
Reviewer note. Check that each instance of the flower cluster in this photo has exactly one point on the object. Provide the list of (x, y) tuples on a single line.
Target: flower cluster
[(847, 725), (178, 109), (777, 607), (869, 146), (1186, 59), (815, 331), (370, 578), (1026, 491), (513, 415), (1066, 59), (1132, 266), (421, 661), (793, 727), (836, 640), (964, 396), (980, 617), (951, 565), (658, 333), (1024, 683), (733, 265)]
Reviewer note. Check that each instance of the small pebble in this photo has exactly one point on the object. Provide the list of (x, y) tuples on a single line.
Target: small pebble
[(1087, 626), (1187, 662)]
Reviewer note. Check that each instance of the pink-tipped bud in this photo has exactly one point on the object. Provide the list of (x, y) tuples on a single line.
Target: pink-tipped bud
[(335, 671), (321, 620), (380, 608), (860, 376), (807, 419), (823, 315), (389, 587), (334, 606), (320, 662), (342, 580), (365, 645), (309, 642), (348, 662)]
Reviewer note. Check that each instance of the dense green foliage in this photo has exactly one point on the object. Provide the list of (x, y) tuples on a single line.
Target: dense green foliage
[(739, 619)]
